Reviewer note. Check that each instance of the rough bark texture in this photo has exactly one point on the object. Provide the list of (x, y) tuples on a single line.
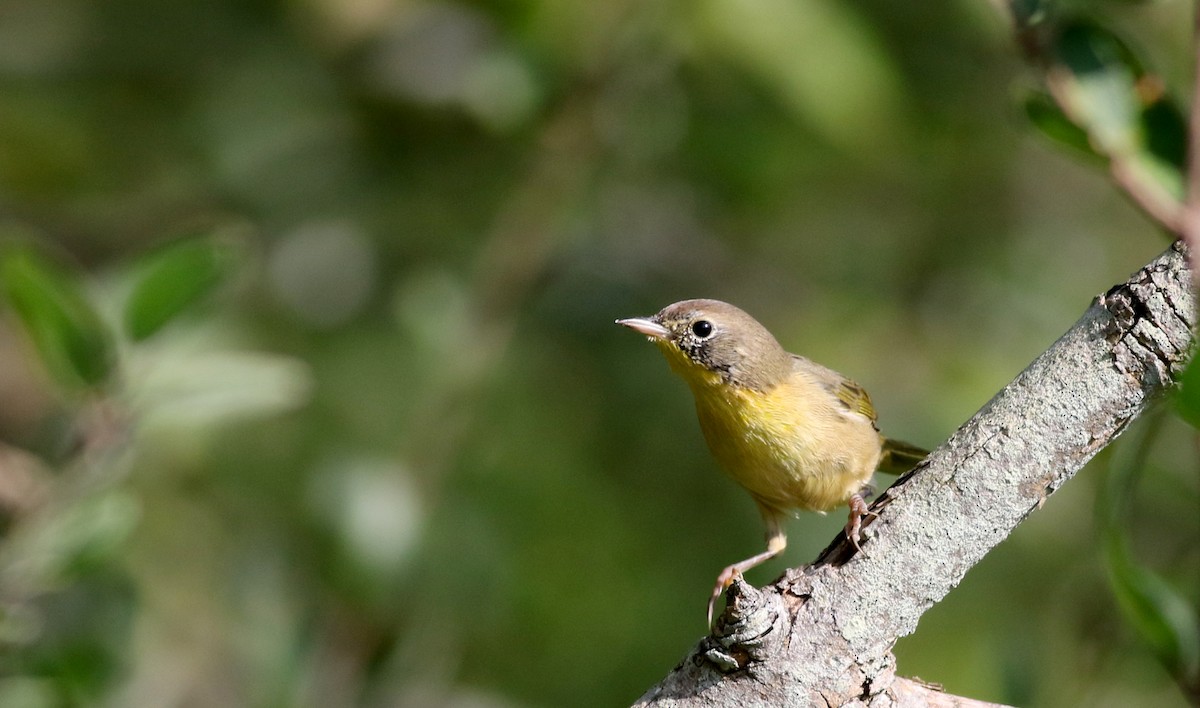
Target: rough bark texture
[(822, 634)]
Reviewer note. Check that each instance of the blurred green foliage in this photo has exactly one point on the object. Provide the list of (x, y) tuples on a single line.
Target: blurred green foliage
[(67, 333), (171, 281), (1162, 615), (369, 436)]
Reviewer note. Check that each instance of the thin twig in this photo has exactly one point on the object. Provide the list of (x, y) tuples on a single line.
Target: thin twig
[(1141, 188), (1149, 196), (1191, 212)]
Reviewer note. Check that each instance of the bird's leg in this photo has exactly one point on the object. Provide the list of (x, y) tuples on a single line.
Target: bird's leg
[(776, 542), (858, 509)]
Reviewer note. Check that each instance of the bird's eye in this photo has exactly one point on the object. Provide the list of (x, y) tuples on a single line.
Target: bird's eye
[(702, 328)]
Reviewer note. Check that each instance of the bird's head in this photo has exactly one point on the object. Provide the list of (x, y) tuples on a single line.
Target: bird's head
[(714, 343)]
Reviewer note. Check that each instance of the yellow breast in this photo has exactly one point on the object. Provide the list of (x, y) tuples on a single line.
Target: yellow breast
[(791, 447)]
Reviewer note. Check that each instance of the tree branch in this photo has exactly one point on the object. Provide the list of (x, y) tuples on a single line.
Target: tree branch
[(822, 634)]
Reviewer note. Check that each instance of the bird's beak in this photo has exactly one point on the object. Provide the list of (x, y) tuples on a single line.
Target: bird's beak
[(646, 326)]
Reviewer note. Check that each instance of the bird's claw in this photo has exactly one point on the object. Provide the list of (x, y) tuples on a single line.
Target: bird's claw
[(858, 510), (724, 580)]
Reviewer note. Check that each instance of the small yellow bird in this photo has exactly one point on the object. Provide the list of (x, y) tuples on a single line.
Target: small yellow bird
[(793, 433)]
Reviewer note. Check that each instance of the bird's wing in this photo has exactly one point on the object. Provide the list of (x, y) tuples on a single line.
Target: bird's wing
[(852, 397)]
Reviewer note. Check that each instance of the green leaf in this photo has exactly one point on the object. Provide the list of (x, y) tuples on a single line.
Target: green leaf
[(1164, 146), (1106, 104), (1048, 118), (70, 338), (1161, 615), (1099, 87), (1165, 132), (199, 389), (1187, 397), (1159, 612), (173, 279)]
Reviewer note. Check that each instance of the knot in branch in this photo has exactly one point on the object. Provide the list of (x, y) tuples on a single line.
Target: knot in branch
[(745, 631), (1151, 327)]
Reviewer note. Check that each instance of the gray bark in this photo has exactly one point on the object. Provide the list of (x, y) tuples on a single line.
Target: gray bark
[(822, 634)]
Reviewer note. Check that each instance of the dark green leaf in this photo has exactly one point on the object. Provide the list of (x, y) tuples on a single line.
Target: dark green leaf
[(83, 636), (173, 279), (1165, 132), (1162, 155), (1048, 118), (71, 340)]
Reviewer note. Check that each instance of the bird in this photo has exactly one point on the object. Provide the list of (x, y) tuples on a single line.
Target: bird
[(794, 434)]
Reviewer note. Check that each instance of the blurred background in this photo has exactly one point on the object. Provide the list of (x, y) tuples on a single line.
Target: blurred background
[(401, 456)]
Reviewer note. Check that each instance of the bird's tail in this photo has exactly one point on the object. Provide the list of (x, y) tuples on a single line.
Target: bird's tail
[(900, 457)]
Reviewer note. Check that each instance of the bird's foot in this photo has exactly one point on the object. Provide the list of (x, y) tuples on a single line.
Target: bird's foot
[(724, 580), (858, 511)]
